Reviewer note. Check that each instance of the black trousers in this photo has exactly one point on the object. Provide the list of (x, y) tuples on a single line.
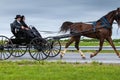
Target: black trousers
[(29, 33), (26, 33), (35, 32)]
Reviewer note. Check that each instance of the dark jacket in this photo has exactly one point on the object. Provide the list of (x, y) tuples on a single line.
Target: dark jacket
[(24, 24), (17, 25)]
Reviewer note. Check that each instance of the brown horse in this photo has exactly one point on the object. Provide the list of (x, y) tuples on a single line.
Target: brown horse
[(101, 30)]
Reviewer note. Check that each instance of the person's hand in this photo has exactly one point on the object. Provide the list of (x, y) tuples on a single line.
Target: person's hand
[(27, 28), (22, 27)]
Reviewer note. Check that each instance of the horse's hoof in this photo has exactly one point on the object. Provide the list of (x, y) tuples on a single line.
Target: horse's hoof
[(83, 57), (61, 56), (91, 55), (119, 56)]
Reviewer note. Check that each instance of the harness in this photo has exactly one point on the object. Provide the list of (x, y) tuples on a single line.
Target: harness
[(104, 23), (94, 26)]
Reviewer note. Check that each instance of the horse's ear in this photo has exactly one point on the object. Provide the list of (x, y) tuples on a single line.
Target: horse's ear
[(118, 9)]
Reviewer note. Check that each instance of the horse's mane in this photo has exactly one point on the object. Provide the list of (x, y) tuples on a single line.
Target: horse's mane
[(113, 11)]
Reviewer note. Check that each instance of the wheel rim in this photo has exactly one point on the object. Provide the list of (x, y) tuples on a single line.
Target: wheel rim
[(6, 48), (38, 49)]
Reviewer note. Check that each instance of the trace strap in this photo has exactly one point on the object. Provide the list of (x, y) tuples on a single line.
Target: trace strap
[(94, 26)]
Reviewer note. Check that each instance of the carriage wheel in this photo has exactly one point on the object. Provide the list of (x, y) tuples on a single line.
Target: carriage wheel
[(39, 49), (55, 48), (18, 50), (6, 48)]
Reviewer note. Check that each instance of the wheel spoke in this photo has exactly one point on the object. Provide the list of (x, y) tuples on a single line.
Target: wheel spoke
[(55, 48), (19, 51), (37, 49)]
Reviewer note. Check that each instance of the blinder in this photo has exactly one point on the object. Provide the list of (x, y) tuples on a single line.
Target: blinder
[(118, 16)]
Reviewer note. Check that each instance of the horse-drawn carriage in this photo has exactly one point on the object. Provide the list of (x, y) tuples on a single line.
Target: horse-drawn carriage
[(39, 48)]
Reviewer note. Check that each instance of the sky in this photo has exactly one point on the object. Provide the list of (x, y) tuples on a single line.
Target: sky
[(48, 15)]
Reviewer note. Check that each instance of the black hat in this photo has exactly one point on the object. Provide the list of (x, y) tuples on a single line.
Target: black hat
[(18, 16), (22, 16)]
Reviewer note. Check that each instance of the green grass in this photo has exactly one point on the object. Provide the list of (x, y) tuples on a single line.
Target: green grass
[(92, 51), (92, 42), (33, 70), (82, 43)]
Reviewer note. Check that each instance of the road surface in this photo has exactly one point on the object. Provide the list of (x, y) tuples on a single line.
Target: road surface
[(75, 57)]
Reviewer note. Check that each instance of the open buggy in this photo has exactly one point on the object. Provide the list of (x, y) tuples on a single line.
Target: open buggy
[(39, 48)]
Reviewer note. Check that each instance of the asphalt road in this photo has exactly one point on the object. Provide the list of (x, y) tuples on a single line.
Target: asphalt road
[(75, 57)]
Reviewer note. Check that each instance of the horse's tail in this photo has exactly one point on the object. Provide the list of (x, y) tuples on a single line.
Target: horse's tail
[(65, 26)]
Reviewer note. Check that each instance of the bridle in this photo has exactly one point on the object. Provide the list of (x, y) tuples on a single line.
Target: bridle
[(117, 16)]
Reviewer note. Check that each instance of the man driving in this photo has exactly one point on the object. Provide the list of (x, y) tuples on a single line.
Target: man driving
[(19, 28)]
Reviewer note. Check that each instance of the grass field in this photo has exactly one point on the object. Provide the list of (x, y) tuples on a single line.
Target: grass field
[(91, 42), (33, 70)]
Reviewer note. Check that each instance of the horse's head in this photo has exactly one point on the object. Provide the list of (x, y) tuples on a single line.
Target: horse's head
[(117, 16)]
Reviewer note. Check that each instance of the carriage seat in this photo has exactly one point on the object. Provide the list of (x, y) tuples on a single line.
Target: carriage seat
[(16, 31)]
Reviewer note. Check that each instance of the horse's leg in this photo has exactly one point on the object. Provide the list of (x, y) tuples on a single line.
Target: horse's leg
[(100, 48), (66, 46), (77, 40), (113, 46)]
